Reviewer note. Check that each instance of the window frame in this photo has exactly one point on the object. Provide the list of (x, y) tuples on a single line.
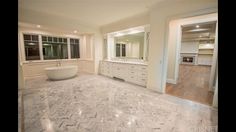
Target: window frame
[(75, 44), (22, 46)]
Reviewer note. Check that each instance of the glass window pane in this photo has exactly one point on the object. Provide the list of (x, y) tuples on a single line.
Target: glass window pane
[(75, 51), (65, 40), (72, 41), (55, 39), (44, 38), (27, 37), (55, 51), (117, 50), (60, 39), (50, 39), (123, 50), (35, 38), (32, 50), (76, 41)]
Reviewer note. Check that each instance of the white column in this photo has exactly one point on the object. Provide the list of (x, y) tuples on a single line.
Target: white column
[(68, 48), (110, 47), (40, 47), (22, 48), (92, 46)]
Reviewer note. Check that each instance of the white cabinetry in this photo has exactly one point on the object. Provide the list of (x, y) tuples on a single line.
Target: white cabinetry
[(134, 73), (205, 54)]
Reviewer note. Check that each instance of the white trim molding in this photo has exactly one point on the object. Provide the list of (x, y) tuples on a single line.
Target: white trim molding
[(172, 81)]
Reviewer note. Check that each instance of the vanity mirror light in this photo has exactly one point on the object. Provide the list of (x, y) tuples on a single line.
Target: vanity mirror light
[(129, 44)]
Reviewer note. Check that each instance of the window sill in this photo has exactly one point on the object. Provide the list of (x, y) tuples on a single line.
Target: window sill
[(44, 61)]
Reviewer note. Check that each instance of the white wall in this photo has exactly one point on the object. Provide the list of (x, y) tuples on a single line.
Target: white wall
[(135, 21)]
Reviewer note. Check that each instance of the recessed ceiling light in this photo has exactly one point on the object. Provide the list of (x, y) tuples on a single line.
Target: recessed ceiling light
[(38, 26), (75, 31), (197, 26)]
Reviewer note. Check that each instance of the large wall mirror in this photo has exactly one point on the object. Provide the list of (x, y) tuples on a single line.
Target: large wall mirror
[(128, 44)]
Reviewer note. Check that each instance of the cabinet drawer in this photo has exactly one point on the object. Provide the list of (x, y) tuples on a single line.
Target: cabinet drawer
[(132, 79), (142, 81), (143, 68), (142, 74)]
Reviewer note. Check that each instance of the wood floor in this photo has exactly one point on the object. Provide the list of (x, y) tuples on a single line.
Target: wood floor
[(193, 84)]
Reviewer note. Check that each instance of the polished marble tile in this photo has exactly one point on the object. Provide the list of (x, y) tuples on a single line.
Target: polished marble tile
[(93, 103)]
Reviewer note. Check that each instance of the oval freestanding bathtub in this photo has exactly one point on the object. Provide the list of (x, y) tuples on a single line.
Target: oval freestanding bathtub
[(61, 72)]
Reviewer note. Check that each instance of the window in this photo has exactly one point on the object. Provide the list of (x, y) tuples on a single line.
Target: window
[(31, 43), (120, 50), (123, 50), (54, 48), (74, 48), (117, 50)]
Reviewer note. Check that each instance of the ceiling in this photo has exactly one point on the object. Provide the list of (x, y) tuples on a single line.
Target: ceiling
[(94, 13), (199, 31)]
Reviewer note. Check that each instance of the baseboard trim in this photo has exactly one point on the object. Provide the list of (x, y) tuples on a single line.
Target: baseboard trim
[(172, 81)]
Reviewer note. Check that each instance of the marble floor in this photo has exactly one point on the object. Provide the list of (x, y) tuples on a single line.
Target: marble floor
[(93, 103)]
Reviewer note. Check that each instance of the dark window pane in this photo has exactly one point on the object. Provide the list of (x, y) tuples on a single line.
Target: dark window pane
[(55, 51), (123, 50), (44, 38), (27, 37), (35, 38), (54, 39), (32, 50), (76, 41), (75, 51), (65, 40), (117, 50), (50, 39), (60, 39), (72, 41)]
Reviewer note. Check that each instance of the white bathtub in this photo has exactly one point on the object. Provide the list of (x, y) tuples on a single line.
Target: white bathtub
[(61, 72)]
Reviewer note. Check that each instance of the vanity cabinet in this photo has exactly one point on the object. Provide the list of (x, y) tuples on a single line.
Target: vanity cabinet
[(133, 73)]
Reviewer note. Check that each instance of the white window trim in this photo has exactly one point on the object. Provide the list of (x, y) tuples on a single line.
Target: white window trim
[(22, 48)]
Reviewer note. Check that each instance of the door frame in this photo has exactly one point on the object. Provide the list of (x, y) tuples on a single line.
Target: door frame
[(187, 21)]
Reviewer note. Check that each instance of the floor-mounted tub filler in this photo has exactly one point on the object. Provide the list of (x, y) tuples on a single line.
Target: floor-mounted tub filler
[(61, 72)]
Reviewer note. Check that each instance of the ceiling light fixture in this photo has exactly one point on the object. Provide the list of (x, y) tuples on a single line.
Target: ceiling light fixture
[(75, 31), (197, 26), (38, 26)]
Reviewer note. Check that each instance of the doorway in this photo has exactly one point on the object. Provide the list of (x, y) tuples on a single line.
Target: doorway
[(196, 52)]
